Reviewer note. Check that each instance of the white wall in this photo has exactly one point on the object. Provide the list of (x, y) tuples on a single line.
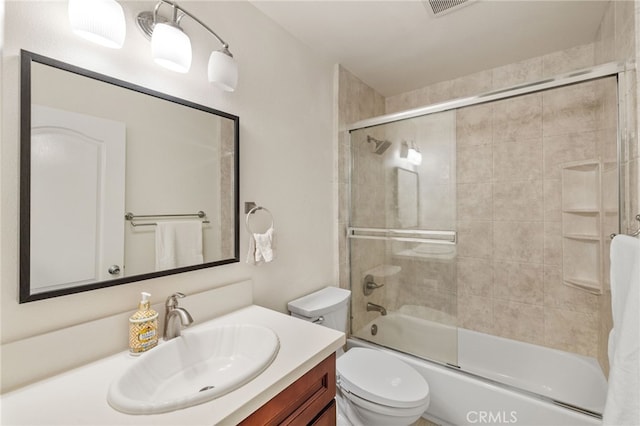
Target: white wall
[(285, 103)]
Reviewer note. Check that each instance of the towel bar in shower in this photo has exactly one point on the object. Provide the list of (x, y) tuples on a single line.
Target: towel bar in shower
[(131, 217), (633, 234), (407, 235)]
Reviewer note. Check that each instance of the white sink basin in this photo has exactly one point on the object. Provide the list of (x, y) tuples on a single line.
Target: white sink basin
[(194, 368)]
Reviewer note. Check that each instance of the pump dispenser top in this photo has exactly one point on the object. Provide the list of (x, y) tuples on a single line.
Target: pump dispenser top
[(144, 303)]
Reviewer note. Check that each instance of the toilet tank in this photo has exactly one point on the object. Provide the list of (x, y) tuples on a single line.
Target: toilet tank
[(328, 307)]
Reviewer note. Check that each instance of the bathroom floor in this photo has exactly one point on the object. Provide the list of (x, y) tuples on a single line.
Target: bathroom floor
[(424, 422)]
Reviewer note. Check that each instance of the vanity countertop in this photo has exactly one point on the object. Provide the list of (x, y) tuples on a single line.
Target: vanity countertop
[(79, 396)]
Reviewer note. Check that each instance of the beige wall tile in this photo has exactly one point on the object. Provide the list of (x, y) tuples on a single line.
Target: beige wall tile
[(474, 164), (519, 282), (474, 201), (571, 331), (552, 189), (517, 161), (561, 296), (604, 47), (474, 125), (606, 324), (624, 33), (518, 241), (440, 92), (518, 118), (474, 276), (474, 239), (552, 243), (518, 200), (475, 313), (517, 73), (401, 102), (473, 84), (570, 109), (568, 60), (571, 147)]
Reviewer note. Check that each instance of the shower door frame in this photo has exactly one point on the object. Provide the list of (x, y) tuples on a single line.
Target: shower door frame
[(619, 70)]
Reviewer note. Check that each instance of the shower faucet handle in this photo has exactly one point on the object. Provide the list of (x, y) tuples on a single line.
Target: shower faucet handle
[(369, 285)]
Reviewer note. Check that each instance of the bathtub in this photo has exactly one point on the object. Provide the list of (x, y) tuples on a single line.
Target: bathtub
[(494, 380)]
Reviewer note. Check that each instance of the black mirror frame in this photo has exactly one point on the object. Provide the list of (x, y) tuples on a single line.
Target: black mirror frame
[(25, 294)]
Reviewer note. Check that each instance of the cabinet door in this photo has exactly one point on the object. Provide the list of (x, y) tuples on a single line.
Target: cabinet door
[(303, 402), (327, 417)]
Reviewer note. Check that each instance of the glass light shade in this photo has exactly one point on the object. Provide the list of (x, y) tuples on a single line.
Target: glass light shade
[(100, 21), (223, 71), (171, 47)]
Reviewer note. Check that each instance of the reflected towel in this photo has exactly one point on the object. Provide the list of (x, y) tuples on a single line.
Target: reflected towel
[(178, 243), (623, 396), (261, 248)]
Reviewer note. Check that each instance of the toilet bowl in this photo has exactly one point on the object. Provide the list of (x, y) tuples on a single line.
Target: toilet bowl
[(379, 389), (373, 388)]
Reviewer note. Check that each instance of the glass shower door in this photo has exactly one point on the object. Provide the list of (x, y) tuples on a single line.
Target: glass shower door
[(403, 236)]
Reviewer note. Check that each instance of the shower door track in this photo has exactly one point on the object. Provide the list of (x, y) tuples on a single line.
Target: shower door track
[(580, 76)]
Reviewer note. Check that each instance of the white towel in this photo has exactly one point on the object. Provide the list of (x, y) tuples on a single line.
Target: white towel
[(261, 248), (178, 243), (623, 396)]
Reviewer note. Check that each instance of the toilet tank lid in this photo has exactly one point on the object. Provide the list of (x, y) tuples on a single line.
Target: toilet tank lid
[(320, 302)]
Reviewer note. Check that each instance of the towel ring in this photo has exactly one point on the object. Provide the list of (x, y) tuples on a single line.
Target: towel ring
[(252, 211)]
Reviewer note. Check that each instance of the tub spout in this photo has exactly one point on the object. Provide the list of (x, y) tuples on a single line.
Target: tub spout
[(374, 307)]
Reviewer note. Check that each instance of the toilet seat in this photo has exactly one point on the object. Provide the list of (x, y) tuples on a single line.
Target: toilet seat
[(380, 378)]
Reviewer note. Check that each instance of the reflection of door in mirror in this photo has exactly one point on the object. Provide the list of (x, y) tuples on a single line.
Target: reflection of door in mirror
[(407, 198), (77, 230)]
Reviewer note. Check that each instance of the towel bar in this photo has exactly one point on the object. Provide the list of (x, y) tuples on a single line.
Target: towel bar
[(633, 234), (131, 217), (252, 211)]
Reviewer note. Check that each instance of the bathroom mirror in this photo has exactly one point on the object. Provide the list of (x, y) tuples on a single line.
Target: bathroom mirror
[(93, 149)]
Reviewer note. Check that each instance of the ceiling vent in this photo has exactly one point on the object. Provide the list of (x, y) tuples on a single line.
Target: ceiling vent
[(442, 7)]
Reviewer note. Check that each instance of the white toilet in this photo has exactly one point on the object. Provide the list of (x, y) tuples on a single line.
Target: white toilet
[(374, 388)]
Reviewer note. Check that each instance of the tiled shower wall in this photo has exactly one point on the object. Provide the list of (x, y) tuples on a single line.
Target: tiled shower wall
[(509, 265), (518, 293), (357, 101)]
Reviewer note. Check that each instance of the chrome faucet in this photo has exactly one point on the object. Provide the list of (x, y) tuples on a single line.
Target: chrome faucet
[(374, 307), (171, 312)]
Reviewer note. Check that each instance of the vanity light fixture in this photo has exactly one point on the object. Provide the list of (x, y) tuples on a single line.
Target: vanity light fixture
[(411, 152), (100, 21), (171, 46)]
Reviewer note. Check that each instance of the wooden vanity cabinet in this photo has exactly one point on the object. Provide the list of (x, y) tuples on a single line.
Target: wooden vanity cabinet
[(310, 400)]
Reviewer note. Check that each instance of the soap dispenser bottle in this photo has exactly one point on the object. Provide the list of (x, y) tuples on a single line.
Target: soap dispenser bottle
[(143, 327)]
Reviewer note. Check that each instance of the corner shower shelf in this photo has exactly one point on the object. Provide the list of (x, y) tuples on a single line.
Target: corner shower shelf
[(583, 222)]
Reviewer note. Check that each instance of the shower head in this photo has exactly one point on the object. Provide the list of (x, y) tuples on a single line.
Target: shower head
[(380, 146)]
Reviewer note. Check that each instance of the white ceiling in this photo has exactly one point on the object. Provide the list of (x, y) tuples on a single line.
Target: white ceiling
[(395, 46)]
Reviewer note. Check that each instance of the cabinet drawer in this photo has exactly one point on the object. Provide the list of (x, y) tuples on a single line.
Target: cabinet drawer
[(303, 402), (327, 417)]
